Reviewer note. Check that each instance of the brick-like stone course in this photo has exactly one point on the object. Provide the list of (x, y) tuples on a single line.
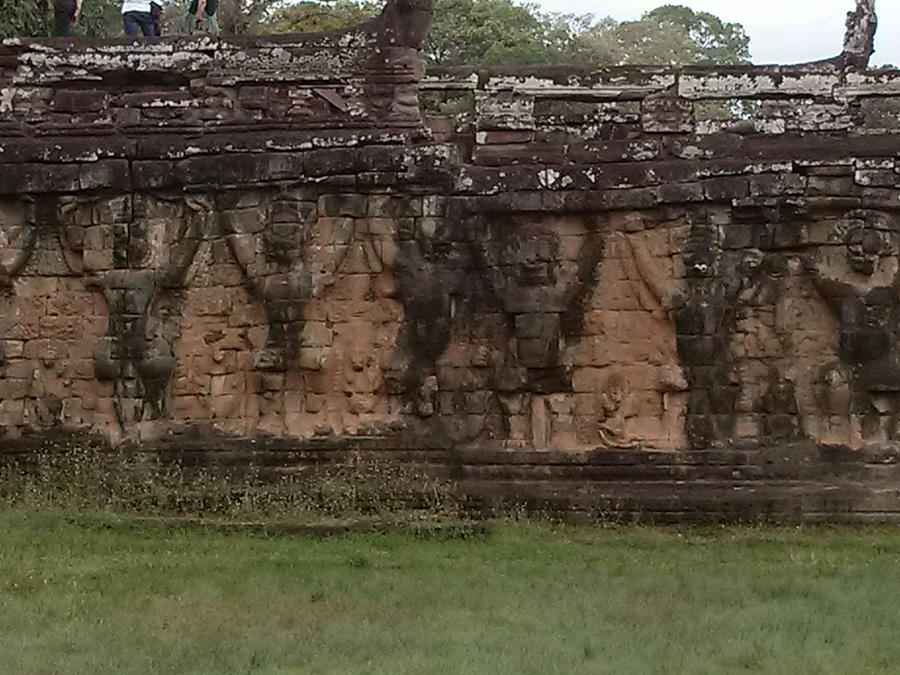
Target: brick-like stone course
[(668, 290)]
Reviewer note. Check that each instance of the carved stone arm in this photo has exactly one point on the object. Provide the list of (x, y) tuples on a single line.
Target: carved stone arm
[(173, 275), (664, 293), (830, 289), (23, 252)]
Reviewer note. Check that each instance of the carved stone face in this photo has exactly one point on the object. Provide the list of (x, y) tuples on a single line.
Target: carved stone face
[(613, 393), (12, 222), (700, 252), (534, 262), (864, 247), (286, 233), (532, 255), (867, 236)]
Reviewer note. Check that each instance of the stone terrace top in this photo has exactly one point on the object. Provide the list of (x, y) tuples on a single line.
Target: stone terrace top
[(193, 100)]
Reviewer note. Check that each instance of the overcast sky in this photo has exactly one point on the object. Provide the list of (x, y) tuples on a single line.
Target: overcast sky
[(781, 31)]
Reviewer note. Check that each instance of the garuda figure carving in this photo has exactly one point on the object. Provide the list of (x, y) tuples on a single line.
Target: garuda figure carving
[(538, 271), (863, 292), (137, 255), (18, 235), (428, 277), (273, 252)]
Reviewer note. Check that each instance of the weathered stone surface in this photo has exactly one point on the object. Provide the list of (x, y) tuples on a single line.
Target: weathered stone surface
[(584, 286)]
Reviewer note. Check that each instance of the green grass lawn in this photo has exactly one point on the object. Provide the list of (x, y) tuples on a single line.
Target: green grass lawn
[(88, 594)]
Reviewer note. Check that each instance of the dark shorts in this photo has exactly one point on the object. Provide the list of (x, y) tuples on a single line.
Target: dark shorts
[(132, 21), (63, 15)]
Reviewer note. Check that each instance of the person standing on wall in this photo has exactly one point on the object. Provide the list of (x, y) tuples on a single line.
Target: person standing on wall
[(65, 13), (156, 10), (201, 17), (138, 14)]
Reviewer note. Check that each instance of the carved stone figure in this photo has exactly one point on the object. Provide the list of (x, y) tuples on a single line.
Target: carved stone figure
[(18, 235), (705, 325), (860, 280), (665, 293), (538, 283), (612, 412), (271, 248), (138, 277), (358, 319), (428, 277), (766, 404), (402, 27), (859, 40)]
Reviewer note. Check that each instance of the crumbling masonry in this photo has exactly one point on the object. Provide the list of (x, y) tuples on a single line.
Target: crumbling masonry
[(666, 290)]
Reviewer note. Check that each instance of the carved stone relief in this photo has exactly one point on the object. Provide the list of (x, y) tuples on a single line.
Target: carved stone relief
[(428, 270), (18, 235), (857, 273), (353, 320), (628, 376), (270, 243), (538, 270), (323, 268), (705, 321), (766, 404), (135, 251)]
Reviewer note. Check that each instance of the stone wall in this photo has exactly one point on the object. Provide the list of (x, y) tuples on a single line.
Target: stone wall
[(661, 289)]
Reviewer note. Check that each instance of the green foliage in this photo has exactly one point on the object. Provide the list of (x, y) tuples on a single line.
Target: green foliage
[(708, 39), (95, 595), (24, 18), (34, 18), (493, 32), (668, 35), (102, 18), (505, 32), (239, 17), (235, 17), (463, 32), (312, 17), (83, 474), (99, 18)]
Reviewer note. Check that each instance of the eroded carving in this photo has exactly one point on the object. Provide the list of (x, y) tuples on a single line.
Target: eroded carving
[(428, 278), (270, 244), (355, 317), (628, 382), (859, 278), (859, 40), (136, 253), (18, 235), (762, 344), (705, 322), (538, 269)]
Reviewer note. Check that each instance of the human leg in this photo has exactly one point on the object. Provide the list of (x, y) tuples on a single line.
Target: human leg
[(156, 15), (62, 24), (130, 24), (148, 26), (134, 21)]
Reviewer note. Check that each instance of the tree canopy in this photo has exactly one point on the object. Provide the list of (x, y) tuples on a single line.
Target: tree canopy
[(309, 16), (486, 32), (24, 17), (505, 32), (463, 32), (671, 34)]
